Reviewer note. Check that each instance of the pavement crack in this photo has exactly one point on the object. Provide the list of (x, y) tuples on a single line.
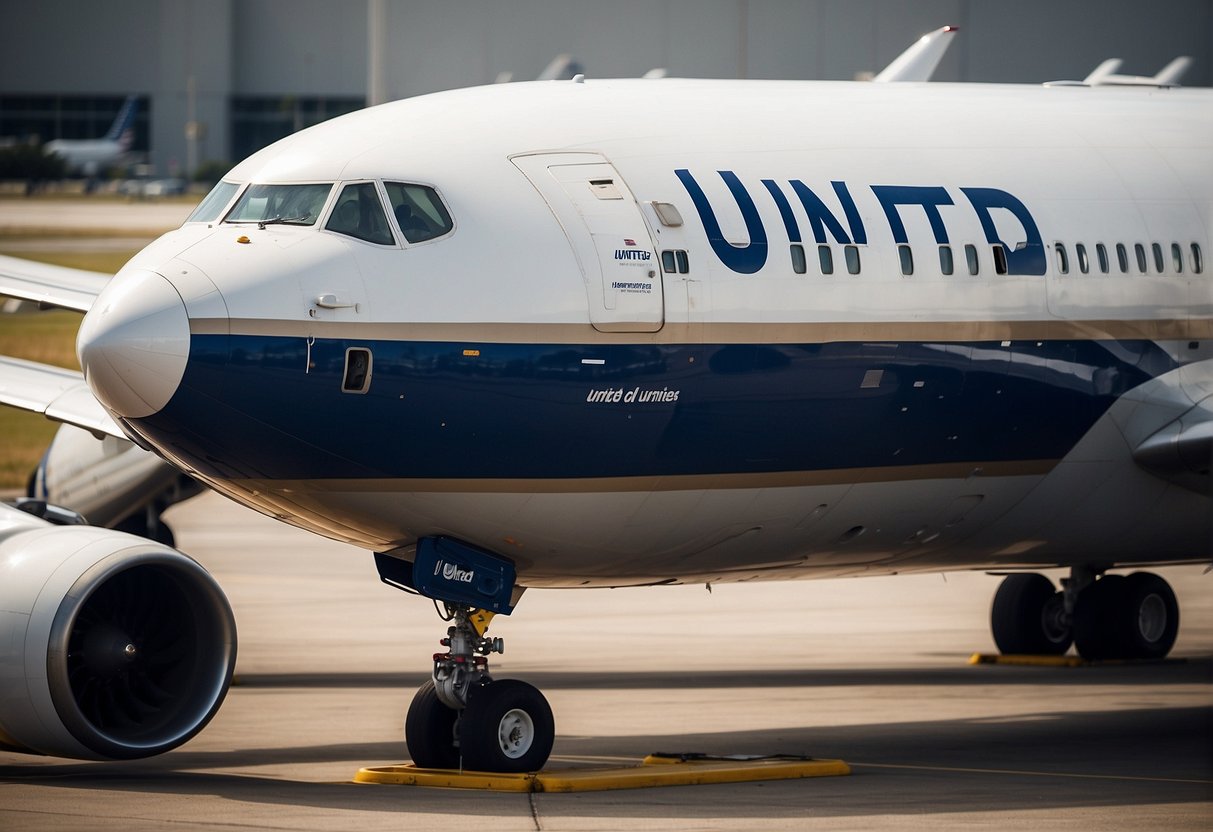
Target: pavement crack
[(534, 811)]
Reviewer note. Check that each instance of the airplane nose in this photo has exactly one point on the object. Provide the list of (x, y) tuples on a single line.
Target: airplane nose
[(133, 344)]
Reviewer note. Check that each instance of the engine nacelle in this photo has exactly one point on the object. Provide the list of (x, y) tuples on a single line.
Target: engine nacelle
[(111, 646)]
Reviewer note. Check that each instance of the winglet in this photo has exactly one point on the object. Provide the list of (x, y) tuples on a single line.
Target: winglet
[(918, 63)]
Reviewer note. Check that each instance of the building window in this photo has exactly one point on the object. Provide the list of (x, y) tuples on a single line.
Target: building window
[(43, 118), (257, 121)]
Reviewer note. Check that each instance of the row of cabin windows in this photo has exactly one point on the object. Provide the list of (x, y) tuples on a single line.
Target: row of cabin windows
[(905, 255), (972, 263), (1156, 257)]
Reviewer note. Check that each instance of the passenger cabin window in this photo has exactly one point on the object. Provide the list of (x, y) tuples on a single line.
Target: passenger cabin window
[(212, 205), (852, 256), (1101, 254), (1122, 258), (825, 258), (906, 256), (1080, 254), (359, 213), (971, 258), (281, 204), (419, 211), (1198, 264), (1177, 258), (1159, 266), (1000, 259), (945, 259), (1140, 251), (1063, 260), (799, 266)]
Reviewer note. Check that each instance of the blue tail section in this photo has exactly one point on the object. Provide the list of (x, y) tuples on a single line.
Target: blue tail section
[(125, 120)]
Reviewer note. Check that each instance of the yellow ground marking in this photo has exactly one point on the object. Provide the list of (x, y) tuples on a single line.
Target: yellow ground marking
[(653, 771)]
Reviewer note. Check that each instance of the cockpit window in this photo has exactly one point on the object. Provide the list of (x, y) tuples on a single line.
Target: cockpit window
[(419, 211), (284, 204), (208, 209), (359, 213)]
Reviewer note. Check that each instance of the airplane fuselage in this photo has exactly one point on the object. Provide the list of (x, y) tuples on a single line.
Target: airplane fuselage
[(680, 331)]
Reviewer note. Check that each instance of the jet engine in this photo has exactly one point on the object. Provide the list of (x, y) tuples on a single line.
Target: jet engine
[(111, 646)]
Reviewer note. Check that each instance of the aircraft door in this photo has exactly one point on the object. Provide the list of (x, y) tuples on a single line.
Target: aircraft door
[(609, 236)]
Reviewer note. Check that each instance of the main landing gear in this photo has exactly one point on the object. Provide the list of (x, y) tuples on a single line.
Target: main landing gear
[(463, 718), (1110, 617)]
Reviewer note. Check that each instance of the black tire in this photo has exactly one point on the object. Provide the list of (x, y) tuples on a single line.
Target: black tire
[(1027, 616), (429, 730), (1099, 619), (1150, 616), (507, 726)]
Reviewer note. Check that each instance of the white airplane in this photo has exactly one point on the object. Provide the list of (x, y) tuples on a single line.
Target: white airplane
[(619, 333), (92, 156)]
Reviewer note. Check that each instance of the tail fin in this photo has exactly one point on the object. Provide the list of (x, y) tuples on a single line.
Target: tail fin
[(122, 130), (918, 63)]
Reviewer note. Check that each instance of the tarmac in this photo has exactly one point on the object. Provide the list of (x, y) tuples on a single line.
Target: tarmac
[(872, 671)]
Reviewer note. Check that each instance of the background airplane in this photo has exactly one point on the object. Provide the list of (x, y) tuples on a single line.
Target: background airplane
[(90, 157)]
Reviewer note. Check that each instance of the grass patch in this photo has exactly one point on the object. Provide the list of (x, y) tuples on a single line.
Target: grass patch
[(48, 338)]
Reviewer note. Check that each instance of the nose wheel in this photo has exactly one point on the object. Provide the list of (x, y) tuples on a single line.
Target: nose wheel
[(463, 718), (506, 726)]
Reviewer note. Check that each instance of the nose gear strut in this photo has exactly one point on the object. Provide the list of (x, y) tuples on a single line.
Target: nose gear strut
[(466, 662)]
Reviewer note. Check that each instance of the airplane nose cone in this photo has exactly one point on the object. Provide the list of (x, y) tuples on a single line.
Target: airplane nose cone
[(133, 344)]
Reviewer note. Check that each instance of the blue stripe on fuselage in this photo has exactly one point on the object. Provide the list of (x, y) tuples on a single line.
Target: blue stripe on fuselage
[(247, 408)]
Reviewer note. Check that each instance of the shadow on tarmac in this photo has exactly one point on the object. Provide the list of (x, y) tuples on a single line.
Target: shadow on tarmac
[(1044, 760)]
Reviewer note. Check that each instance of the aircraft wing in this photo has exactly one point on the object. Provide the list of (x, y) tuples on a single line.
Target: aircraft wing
[(50, 285), (59, 394)]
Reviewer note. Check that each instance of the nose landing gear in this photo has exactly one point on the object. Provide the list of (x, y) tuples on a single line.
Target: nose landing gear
[(462, 717)]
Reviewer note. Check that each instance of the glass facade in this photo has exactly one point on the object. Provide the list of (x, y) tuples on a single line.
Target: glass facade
[(258, 121)]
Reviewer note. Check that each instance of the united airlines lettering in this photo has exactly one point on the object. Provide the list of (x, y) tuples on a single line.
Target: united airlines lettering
[(1025, 258), (633, 254)]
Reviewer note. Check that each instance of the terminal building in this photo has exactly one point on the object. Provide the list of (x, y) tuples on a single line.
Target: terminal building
[(219, 79)]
